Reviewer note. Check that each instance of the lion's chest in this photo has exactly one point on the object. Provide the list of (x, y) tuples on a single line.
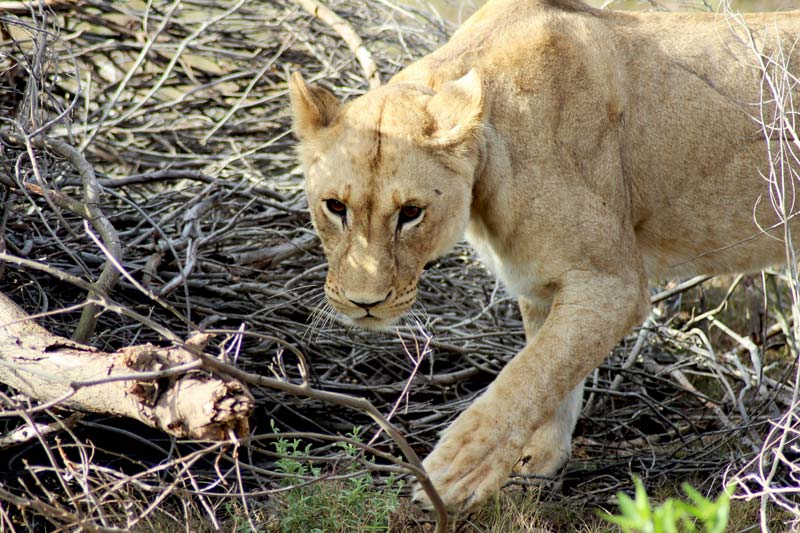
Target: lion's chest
[(521, 277)]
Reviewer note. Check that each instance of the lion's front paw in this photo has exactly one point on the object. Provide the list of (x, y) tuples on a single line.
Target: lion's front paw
[(474, 456)]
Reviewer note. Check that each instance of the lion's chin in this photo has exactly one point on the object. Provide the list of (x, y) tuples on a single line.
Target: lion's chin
[(369, 322)]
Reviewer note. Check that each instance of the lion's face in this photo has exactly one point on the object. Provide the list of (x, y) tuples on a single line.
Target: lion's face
[(389, 179)]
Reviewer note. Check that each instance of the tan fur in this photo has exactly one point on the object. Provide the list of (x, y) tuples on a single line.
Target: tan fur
[(581, 152)]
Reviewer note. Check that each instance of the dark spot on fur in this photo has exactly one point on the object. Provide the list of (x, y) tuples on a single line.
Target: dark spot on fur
[(375, 160)]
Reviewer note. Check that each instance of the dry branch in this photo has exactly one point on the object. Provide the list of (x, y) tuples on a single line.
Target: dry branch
[(50, 368), (414, 465), (215, 236), (90, 210), (25, 6), (349, 36)]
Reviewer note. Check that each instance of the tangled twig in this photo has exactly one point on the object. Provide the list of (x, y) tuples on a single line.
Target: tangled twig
[(214, 237)]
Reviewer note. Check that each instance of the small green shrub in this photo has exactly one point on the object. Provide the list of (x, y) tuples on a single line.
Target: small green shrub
[(355, 504), (672, 516)]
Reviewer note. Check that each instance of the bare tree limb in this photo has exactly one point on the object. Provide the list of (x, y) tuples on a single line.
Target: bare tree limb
[(20, 7), (89, 209), (150, 384), (348, 35), (361, 404)]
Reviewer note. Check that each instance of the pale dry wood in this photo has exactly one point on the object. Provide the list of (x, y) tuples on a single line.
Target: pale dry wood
[(135, 381), (31, 431), (273, 255), (20, 7), (348, 35)]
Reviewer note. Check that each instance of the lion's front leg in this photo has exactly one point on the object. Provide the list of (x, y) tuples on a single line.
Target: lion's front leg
[(551, 445), (590, 313)]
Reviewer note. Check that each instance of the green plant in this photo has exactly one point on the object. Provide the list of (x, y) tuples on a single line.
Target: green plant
[(355, 503), (672, 516)]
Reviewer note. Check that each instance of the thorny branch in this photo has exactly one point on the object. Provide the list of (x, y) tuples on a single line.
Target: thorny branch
[(771, 475)]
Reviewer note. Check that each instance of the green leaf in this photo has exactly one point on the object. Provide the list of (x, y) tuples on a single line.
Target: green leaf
[(625, 523), (627, 506), (699, 500), (639, 515), (665, 517), (643, 506)]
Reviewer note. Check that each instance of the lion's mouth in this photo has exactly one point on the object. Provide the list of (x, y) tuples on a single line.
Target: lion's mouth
[(372, 322), (376, 318)]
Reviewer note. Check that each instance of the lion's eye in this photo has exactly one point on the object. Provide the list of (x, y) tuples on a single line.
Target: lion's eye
[(409, 213), (336, 207)]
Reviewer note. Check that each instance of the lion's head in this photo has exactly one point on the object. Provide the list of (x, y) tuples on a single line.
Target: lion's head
[(389, 180)]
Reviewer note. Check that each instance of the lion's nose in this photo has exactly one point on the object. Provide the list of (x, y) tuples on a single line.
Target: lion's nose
[(366, 305)]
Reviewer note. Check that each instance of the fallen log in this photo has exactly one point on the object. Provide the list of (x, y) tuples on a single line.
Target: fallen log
[(165, 388)]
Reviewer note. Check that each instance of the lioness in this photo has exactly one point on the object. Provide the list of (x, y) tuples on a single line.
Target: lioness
[(581, 152)]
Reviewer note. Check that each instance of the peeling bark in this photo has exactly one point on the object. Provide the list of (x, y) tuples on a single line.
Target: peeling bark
[(193, 403)]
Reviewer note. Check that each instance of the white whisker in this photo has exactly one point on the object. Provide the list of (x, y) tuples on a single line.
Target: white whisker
[(320, 319)]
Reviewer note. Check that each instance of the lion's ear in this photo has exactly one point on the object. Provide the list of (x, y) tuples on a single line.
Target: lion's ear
[(313, 107), (456, 110)]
